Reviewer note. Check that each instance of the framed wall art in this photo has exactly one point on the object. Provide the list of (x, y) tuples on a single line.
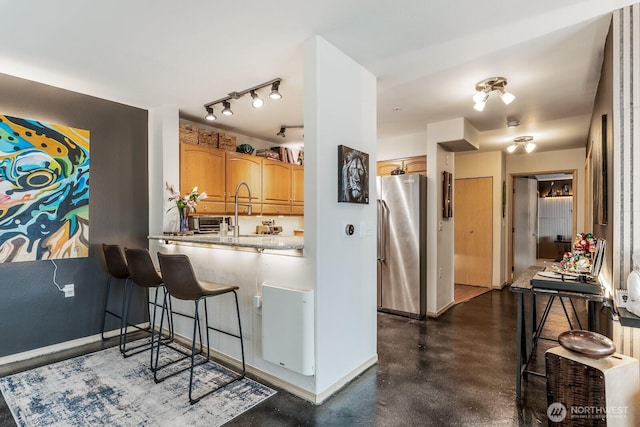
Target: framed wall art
[(353, 175), (44, 191)]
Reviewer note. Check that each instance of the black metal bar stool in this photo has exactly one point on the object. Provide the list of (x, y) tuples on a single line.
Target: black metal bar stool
[(118, 270), (180, 282), (144, 274)]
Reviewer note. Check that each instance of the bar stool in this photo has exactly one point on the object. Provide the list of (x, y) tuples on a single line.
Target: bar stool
[(180, 282), (144, 274), (117, 268)]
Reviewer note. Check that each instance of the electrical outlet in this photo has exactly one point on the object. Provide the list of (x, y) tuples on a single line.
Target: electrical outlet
[(69, 290), (440, 273), (257, 301)]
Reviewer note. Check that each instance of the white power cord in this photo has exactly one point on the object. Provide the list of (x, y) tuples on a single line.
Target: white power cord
[(55, 270)]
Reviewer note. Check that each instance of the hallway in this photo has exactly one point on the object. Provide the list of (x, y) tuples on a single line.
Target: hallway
[(458, 370)]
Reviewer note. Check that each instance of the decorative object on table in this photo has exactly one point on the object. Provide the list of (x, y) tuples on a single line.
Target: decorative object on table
[(587, 343), (245, 149), (106, 388), (633, 286), (184, 205), (353, 175), (587, 255)]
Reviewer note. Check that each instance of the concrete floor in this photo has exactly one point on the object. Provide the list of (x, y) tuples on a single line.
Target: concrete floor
[(458, 370)]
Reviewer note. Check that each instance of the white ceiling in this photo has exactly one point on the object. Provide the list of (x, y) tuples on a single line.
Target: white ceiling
[(427, 56)]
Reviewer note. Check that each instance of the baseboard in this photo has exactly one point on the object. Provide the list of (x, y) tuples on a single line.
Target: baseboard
[(441, 311), (320, 398), (307, 395), (67, 345)]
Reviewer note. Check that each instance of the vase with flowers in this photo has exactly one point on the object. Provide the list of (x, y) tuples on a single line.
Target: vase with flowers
[(184, 204)]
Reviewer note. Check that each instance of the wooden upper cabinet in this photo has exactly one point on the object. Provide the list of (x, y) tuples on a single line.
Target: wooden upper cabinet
[(386, 166), (297, 185), (243, 167), (203, 167), (276, 182), (417, 164)]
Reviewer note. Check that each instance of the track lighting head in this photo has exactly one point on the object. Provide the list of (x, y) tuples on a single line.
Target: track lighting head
[(274, 90), (227, 108), (486, 86), (256, 101), (210, 116), (281, 133)]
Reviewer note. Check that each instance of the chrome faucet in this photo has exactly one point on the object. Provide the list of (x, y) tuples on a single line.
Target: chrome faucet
[(236, 226)]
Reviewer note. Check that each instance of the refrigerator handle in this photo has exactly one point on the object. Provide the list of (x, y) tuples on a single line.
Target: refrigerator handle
[(384, 230), (379, 239)]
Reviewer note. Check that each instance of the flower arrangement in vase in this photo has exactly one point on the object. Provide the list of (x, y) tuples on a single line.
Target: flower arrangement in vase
[(184, 204)]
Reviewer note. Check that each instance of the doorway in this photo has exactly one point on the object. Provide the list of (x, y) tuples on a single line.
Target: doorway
[(473, 232), (543, 218)]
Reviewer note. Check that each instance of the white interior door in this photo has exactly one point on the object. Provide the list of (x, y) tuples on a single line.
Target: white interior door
[(525, 206)]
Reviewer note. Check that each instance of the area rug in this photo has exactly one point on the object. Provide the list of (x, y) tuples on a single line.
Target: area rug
[(103, 388)]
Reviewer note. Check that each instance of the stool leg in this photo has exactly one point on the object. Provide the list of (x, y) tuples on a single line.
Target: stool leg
[(196, 322), (124, 322), (106, 304), (235, 294), (155, 366)]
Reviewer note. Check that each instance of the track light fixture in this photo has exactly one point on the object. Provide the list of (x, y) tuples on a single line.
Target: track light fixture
[(210, 116), (484, 89), (256, 101), (274, 90), (283, 128), (227, 108), (522, 141)]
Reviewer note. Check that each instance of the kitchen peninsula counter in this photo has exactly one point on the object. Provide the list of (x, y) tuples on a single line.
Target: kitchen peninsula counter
[(270, 242)]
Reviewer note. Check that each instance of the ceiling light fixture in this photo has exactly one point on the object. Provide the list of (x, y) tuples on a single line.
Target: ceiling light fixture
[(256, 101), (274, 90), (513, 123), (210, 116), (227, 108), (522, 141), (484, 89), (283, 128)]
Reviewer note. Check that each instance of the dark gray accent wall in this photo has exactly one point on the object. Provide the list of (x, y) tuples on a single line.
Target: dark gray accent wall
[(33, 312)]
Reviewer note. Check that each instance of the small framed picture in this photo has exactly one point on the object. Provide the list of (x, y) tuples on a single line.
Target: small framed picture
[(353, 175)]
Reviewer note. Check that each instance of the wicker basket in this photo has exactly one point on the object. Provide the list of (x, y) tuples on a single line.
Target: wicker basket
[(188, 133), (208, 137), (227, 142)]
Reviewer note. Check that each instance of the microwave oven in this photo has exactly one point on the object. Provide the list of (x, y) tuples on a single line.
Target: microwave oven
[(209, 224)]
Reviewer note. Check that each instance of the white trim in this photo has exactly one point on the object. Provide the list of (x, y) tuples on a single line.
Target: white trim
[(67, 345), (320, 398), (441, 311)]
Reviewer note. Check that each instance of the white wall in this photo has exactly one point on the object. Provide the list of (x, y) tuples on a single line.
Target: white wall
[(402, 146), (491, 164), (340, 108)]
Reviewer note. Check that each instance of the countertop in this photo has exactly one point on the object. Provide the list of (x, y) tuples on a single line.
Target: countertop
[(256, 241)]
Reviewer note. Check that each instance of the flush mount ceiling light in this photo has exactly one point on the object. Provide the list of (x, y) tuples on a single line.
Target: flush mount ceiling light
[(256, 101), (283, 128), (484, 89), (522, 141)]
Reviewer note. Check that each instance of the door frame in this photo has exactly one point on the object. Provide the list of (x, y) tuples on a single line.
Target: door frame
[(510, 186)]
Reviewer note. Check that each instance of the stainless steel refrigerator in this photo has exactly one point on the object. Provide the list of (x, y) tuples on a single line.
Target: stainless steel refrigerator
[(402, 261)]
